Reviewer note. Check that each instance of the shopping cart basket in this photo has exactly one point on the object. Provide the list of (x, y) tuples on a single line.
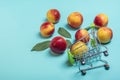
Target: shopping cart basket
[(91, 56)]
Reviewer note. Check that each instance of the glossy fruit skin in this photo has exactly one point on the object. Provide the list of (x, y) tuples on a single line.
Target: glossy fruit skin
[(58, 45), (47, 29), (78, 49), (75, 20), (101, 20), (53, 15), (82, 33), (104, 34)]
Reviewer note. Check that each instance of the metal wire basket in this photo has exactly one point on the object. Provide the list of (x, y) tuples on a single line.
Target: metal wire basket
[(92, 55)]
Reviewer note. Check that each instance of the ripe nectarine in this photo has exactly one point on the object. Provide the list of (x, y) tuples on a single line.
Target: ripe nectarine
[(47, 29), (53, 15), (58, 45), (104, 34), (82, 35), (75, 19), (101, 20), (78, 49)]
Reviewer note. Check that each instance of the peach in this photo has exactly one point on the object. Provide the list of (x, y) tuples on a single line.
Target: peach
[(58, 45), (78, 49), (75, 19), (101, 20), (53, 15), (82, 35), (104, 34), (47, 29)]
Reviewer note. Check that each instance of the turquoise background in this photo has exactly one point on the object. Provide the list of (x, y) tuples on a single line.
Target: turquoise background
[(19, 32)]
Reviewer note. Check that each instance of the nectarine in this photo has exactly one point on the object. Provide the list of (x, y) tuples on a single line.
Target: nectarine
[(78, 49), (47, 29), (75, 19), (53, 15), (58, 45), (104, 34), (82, 35), (101, 20)]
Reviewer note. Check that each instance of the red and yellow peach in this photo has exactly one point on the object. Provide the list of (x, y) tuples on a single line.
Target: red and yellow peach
[(101, 20), (47, 29), (82, 35), (53, 15), (78, 49), (75, 19), (104, 34), (58, 45)]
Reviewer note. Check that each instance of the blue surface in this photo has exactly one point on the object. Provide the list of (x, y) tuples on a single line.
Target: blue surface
[(19, 32)]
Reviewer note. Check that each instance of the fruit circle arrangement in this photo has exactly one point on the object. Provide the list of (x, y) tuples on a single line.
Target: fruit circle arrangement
[(60, 43)]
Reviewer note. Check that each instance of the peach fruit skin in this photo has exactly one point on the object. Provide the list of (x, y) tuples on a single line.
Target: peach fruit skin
[(75, 19), (104, 34), (82, 33), (53, 15), (58, 45), (47, 29), (101, 20), (78, 49)]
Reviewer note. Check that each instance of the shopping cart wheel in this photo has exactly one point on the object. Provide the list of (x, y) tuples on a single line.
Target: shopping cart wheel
[(105, 53), (83, 72), (106, 66), (82, 61)]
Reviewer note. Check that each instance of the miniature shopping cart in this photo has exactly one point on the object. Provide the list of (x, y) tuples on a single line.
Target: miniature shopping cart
[(90, 57)]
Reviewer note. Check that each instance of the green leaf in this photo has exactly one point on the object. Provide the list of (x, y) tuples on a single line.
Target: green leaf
[(68, 43), (92, 25), (93, 43), (64, 32), (41, 46), (70, 58)]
